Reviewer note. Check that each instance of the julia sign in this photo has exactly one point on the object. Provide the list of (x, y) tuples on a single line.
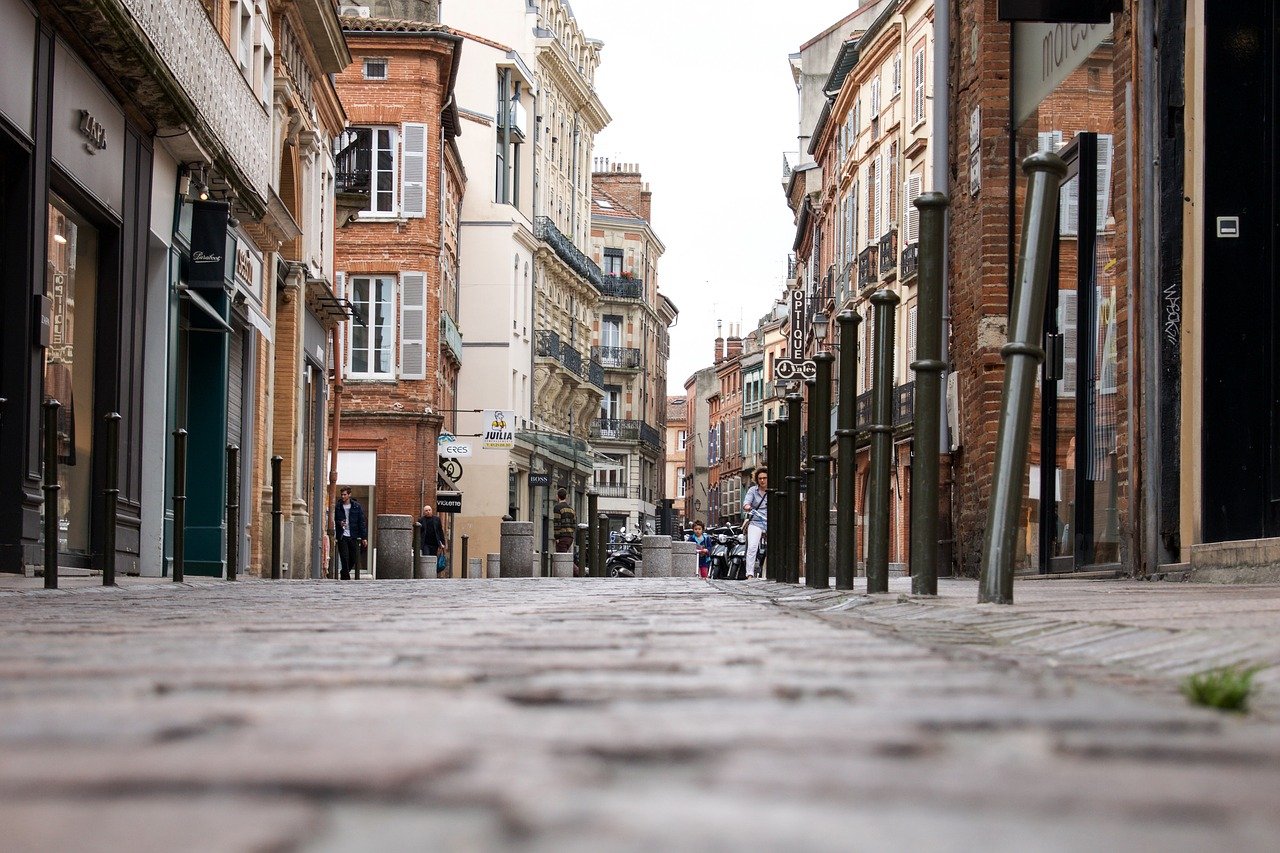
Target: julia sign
[(499, 430)]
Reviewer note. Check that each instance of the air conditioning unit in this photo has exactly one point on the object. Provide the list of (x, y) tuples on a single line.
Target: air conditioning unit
[(354, 11)]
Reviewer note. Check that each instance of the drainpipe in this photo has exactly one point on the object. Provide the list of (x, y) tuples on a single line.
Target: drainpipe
[(334, 437), (504, 105)]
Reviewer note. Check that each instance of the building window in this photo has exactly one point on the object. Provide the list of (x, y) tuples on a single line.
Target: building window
[(366, 163), (372, 343), (375, 69), (613, 262), (897, 74), (917, 84), (680, 483), (682, 438)]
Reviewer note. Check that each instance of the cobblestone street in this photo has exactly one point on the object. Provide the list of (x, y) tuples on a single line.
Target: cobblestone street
[(602, 715)]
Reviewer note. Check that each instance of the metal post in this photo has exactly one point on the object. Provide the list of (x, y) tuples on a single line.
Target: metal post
[(51, 489), (417, 550), (807, 471), (111, 500), (602, 537), (774, 502), (589, 558), (819, 574), (846, 451), (1022, 355), (465, 570), (928, 368), (794, 478), (277, 524), (780, 511), (179, 504), (233, 512), (884, 302), (581, 537)]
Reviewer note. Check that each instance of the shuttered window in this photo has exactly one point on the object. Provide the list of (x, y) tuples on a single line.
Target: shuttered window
[(373, 341), (910, 213), (917, 81), (413, 186), (1067, 326), (413, 325), (911, 338)]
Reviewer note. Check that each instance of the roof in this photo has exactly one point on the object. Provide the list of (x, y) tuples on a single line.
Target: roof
[(677, 409), (603, 204), (851, 50), (353, 24)]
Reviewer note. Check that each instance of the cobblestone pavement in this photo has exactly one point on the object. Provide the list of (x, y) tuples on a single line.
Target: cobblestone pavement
[(566, 715)]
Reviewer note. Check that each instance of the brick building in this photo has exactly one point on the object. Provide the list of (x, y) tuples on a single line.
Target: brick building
[(725, 483), (400, 171)]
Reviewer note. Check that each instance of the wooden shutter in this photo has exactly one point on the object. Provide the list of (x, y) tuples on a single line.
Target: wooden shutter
[(340, 287), (876, 203), (413, 173), (413, 325), (911, 336), (910, 213), (1106, 147), (1067, 326)]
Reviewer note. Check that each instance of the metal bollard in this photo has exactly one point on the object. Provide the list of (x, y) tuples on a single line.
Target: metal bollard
[(593, 510), (277, 514), (846, 452), (794, 477), (582, 536), (111, 499), (928, 367), (465, 571), (807, 472), (602, 538), (774, 502), (417, 550), (1022, 355), (179, 504), (884, 302), (780, 511), (233, 512), (818, 575), (51, 489)]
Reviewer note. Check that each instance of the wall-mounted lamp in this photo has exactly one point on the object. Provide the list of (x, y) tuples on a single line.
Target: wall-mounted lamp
[(821, 325)]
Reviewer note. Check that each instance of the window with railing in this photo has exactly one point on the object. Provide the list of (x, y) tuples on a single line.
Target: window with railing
[(372, 344)]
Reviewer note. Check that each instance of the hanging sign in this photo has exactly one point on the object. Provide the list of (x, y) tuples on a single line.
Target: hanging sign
[(208, 243), (499, 430), (449, 502), (1044, 55)]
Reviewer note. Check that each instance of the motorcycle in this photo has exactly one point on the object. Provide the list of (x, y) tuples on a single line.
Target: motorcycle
[(622, 561)]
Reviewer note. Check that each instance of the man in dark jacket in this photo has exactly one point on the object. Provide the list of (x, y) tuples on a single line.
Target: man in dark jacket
[(353, 533), (433, 541)]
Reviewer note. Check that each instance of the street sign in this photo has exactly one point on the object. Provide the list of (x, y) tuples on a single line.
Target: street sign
[(792, 370), (796, 327), (450, 502), (499, 430), (539, 479)]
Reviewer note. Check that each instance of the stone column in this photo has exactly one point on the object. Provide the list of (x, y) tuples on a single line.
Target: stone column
[(684, 560), (517, 549), (395, 547), (475, 569), (657, 556), (562, 565)]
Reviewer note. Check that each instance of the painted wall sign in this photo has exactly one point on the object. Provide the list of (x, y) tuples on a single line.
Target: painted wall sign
[(1044, 55)]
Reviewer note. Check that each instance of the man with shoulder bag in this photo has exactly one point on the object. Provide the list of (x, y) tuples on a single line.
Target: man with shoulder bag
[(433, 542)]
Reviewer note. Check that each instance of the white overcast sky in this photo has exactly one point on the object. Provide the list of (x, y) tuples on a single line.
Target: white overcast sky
[(702, 99)]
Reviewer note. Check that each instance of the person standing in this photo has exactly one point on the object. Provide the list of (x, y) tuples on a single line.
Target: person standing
[(353, 533), (700, 538), (566, 525), (756, 507), (433, 542)]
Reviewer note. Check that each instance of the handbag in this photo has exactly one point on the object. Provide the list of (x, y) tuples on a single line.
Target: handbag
[(442, 562)]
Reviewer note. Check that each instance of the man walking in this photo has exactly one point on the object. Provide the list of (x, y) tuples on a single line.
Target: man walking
[(353, 533), (566, 526), (433, 542)]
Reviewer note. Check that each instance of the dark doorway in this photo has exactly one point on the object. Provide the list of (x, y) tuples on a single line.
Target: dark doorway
[(1241, 409)]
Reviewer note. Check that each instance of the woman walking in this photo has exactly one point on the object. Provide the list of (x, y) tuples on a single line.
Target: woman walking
[(756, 507)]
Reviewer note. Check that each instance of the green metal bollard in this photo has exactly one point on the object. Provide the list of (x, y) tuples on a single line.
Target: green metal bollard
[(807, 472), (818, 575), (884, 302), (277, 521), (779, 535), (928, 368), (465, 570), (233, 511), (794, 478), (111, 500), (774, 502), (593, 510), (179, 505), (51, 489), (602, 539), (417, 550), (1022, 356), (846, 452)]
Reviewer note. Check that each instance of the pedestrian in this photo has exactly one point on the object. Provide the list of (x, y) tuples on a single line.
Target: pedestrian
[(433, 542), (702, 540), (566, 525), (756, 507), (353, 533)]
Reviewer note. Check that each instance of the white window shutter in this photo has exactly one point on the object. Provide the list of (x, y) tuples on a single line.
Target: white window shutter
[(911, 336), (877, 202), (910, 213), (413, 325), (1067, 325), (413, 173), (1106, 147), (340, 287)]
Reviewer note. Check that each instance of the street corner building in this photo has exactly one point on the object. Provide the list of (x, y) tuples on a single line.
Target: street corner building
[(166, 257)]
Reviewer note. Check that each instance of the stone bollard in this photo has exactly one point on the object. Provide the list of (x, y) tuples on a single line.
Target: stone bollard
[(395, 547), (562, 565), (492, 565), (684, 560), (475, 567), (657, 556), (517, 549)]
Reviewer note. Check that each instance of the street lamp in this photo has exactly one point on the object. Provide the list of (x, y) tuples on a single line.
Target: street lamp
[(821, 325)]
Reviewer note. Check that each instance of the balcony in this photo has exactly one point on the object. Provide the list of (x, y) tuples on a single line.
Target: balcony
[(617, 358), (752, 408), (571, 358), (910, 262), (545, 230), (451, 337), (618, 287), (351, 171), (863, 419), (614, 490), (868, 267), (617, 429), (904, 404), (547, 343), (889, 251), (595, 373)]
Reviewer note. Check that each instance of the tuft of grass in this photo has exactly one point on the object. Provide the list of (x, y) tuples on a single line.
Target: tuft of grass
[(1226, 688)]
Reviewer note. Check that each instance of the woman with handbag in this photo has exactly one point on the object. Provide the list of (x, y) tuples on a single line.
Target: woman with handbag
[(434, 543), (756, 507)]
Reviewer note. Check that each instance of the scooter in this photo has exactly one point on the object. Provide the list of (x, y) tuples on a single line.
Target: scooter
[(761, 553), (725, 543), (738, 557), (621, 562)]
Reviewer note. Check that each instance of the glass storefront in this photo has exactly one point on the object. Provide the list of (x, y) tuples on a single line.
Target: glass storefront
[(71, 284)]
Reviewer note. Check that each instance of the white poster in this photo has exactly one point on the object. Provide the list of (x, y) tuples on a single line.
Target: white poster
[(499, 430)]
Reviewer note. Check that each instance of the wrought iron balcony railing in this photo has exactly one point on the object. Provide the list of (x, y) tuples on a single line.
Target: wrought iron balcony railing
[(450, 336), (623, 358), (910, 262), (888, 251), (546, 343), (863, 417), (595, 373), (571, 358), (619, 429), (868, 270), (545, 230), (352, 174), (617, 287), (904, 404)]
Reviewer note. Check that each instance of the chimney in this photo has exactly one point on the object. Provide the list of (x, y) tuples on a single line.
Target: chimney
[(719, 345), (733, 346), (622, 182), (646, 204)]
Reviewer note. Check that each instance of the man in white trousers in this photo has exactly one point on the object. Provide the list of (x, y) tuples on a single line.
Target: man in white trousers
[(756, 508)]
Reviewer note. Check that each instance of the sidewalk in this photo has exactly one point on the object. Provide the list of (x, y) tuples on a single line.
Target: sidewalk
[(1134, 633)]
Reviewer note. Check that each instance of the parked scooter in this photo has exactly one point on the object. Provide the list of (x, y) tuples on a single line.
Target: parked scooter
[(729, 554), (622, 561), (761, 553)]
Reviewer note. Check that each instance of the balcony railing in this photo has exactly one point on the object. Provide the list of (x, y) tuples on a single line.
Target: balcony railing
[(752, 407), (622, 358), (617, 287), (904, 404), (618, 429), (649, 435), (545, 230), (614, 490), (864, 410), (910, 261), (888, 251), (351, 171), (571, 358), (868, 271), (450, 336), (547, 343), (595, 373)]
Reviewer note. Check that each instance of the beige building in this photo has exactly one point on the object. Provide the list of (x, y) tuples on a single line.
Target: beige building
[(677, 478)]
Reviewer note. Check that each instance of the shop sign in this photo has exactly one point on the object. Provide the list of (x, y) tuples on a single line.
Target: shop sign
[(538, 478), (208, 243), (248, 268), (449, 502), (1044, 55), (499, 430), (450, 447)]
